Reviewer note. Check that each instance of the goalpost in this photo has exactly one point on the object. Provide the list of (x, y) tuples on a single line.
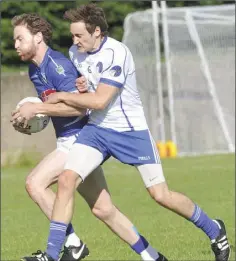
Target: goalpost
[(188, 87)]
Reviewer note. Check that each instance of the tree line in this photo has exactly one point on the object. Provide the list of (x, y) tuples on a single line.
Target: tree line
[(53, 11)]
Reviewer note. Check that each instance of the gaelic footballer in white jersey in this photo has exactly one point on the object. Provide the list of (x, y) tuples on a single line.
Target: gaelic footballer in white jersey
[(112, 64), (120, 130)]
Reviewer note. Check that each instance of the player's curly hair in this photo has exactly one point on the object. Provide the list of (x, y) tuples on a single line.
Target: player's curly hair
[(91, 15), (34, 23)]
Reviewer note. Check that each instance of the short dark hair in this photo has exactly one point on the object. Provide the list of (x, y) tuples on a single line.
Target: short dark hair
[(34, 23), (91, 15)]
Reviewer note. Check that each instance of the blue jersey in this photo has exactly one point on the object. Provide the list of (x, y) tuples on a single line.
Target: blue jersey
[(56, 73)]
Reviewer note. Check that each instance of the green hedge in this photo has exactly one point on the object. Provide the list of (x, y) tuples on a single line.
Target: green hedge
[(53, 11)]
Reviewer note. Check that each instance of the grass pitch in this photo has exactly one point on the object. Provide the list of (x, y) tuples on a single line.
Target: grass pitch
[(208, 180)]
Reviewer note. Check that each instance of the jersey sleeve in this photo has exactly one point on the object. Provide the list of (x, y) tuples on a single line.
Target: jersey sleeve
[(116, 69), (63, 75)]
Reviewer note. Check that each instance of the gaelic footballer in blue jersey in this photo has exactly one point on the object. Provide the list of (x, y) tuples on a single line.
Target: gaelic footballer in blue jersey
[(50, 72), (117, 127), (56, 74)]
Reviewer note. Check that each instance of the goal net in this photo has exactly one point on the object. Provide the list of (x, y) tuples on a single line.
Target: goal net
[(200, 75)]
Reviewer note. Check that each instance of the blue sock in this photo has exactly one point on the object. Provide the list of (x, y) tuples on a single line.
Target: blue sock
[(140, 245), (69, 230), (56, 239), (207, 225)]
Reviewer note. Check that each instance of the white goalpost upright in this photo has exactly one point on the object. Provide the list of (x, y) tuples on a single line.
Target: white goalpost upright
[(189, 89), (168, 71), (155, 23)]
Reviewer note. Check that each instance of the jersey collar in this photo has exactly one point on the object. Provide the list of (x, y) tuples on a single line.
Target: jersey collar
[(45, 57), (101, 45)]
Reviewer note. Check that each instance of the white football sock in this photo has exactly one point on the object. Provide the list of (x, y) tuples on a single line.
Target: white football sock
[(149, 254), (72, 240)]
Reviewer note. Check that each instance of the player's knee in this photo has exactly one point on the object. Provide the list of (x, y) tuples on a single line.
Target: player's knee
[(103, 212), (67, 181), (161, 194), (33, 188)]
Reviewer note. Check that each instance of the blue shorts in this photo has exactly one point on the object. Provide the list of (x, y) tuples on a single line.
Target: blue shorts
[(130, 147)]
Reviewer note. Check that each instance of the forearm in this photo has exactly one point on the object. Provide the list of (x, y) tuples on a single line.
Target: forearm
[(86, 100), (59, 109)]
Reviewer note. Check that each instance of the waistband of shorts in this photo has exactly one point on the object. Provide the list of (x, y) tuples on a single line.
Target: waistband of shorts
[(71, 134)]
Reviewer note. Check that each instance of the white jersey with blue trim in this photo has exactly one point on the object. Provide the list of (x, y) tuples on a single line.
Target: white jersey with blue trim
[(112, 64)]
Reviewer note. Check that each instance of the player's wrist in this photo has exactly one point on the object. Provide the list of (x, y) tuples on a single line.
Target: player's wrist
[(40, 108), (33, 109)]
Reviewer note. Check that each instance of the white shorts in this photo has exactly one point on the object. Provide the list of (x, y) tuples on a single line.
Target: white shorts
[(65, 143), (90, 158)]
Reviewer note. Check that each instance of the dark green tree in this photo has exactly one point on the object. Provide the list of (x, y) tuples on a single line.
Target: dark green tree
[(53, 11)]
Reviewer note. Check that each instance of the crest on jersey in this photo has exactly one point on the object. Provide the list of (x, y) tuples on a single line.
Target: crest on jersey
[(99, 67), (60, 70), (115, 71)]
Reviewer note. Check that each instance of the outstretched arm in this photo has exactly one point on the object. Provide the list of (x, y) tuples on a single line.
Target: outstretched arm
[(97, 100), (60, 109)]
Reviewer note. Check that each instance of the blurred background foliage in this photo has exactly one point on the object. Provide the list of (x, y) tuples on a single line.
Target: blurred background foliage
[(53, 11)]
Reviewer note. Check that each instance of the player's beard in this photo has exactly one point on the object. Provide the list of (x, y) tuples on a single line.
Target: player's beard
[(29, 54)]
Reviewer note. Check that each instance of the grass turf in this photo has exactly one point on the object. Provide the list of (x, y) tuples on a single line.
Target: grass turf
[(207, 180)]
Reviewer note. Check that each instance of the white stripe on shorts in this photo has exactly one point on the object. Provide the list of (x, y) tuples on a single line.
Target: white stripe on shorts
[(155, 152)]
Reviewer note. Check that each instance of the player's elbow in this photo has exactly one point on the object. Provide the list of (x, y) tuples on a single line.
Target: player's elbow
[(84, 112), (76, 114), (100, 104), (80, 112)]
